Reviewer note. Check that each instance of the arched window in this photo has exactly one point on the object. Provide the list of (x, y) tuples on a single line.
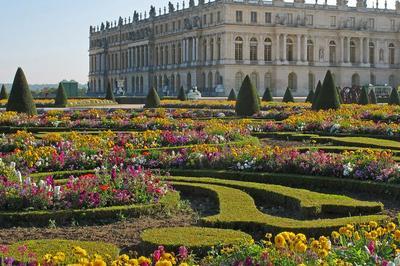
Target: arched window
[(372, 79), (267, 50), (172, 84), (254, 80), (141, 85), (238, 49), (238, 80), (212, 48), (178, 81), (311, 81), (268, 80), (173, 55), (205, 50), (310, 51), (179, 53), (166, 55), (160, 82), (332, 52), (217, 79), (352, 52), (210, 81), (392, 81), (253, 49), (289, 49), (189, 81), (219, 49), (202, 82), (155, 83), (391, 54), (371, 53), (137, 85), (292, 81), (133, 85), (355, 80)]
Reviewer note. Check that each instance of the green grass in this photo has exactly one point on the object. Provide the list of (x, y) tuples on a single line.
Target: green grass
[(198, 239), (237, 210), (48, 246), (309, 203)]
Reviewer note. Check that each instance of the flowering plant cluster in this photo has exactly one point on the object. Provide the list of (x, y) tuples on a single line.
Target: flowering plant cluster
[(102, 189)]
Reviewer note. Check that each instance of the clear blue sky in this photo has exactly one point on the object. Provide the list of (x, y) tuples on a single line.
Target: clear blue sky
[(49, 38)]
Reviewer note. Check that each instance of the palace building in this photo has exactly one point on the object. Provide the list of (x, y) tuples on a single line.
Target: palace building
[(214, 45)]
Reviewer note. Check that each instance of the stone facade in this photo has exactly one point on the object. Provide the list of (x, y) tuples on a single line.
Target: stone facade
[(215, 44)]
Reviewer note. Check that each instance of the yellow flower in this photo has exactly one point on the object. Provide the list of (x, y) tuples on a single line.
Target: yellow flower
[(373, 224), (280, 241), (164, 263), (397, 235), (98, 262), (143, 260), (335, 235), (357, 236), (301, 247), (78, 251), (322, 253), (391, 227), (183, 264)]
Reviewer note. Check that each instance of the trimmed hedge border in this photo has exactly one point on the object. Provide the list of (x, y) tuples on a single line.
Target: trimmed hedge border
[(340, 149), (42, 218), (52, 246), (310, 204), (197, 239), (237, 210), (330, 184)]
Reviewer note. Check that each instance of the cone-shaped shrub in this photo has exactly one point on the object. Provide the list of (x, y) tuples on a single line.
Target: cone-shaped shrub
[(316, 94), (372, 97), (21, 99), (61, 97), (3, 93), (288, 97), (364, 99), (182, 94), (267, 97), (394, 98), (152, 100), (328, 98), (232, 95), (248, 102), (310, 96), (109, 93)]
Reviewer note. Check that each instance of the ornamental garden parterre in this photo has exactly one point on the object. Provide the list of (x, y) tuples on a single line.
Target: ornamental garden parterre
[(238, 182)]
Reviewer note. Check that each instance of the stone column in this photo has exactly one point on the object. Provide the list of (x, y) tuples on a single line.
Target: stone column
[(341, 49), (193, 49), (284, 58), (277, 46), (305, 43), (197, 49), (187, 50), (183, 51), (367, 59), (361, 50), (298, 44), (348, 50)]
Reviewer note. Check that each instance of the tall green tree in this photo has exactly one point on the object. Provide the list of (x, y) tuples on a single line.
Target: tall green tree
[(21, 99), (328, 97), (316, 94), (372, 97), (267, 96), (364, 99), (3, 93), (232, 95), (288, 97), (61, 97), (310, 96), (394, 98), (109, 93), (248, 102), (182, 94), (153, 99)]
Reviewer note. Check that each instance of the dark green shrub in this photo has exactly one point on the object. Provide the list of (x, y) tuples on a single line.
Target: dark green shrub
[(267, 97), (232, 95), (61, 97), (310, 96), (394, 98), (182, 94), (152, 100), (3, 93), (364, 99), (21, 99), (316, 94), (288, 97), (248, 102), (372, 97), (328, 97), (109, 93)]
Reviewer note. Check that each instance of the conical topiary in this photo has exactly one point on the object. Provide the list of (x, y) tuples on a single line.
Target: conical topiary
[(152, 100), (21, 99), (182, 94), (248, 102), (232, 95), (109, 93), (310, 96), (288, 97), (61, 97), (316, 94), (372, 97), (267, 97), (364, 99), (394, 98), (328, 98), (3, 93)]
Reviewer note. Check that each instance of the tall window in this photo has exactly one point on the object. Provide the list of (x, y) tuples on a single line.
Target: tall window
[(268, 19), (391, 54), (179, 54), (352, 22), (253, 17), (310, 51), (371, 23), (352, 52), (289, 18), (238, 48), (253, 49), (371, 53), (219, 16), (238, 80), (289, 50), (239, 16), (254, 79), (205, 50), (392, 24), (311, 81), (219, 49), (211, 49), (267, 50), (332, 52), (333, 21), (310, 20), (292, 81)]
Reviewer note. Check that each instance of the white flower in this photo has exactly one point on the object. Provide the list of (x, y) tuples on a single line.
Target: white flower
[(19, 175), (57, 191)]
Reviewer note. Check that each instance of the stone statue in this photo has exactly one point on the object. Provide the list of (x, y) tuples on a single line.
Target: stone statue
[(194, 94), (171, 7), (191, 3), (321, 54), (152, 12), (187, 24)]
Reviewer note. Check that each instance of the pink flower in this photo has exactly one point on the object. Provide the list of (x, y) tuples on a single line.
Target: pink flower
[(4, 249), (371, 247), (183, 252)]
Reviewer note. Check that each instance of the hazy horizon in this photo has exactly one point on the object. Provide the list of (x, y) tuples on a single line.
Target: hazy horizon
[(49, 39)]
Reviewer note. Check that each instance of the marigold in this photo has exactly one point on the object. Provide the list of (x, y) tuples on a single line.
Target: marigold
[(280, 241)]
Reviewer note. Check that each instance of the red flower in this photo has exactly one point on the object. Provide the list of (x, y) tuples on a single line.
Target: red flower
[(104, 187)]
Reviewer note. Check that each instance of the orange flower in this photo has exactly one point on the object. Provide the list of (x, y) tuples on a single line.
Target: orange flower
[(104, 187)]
